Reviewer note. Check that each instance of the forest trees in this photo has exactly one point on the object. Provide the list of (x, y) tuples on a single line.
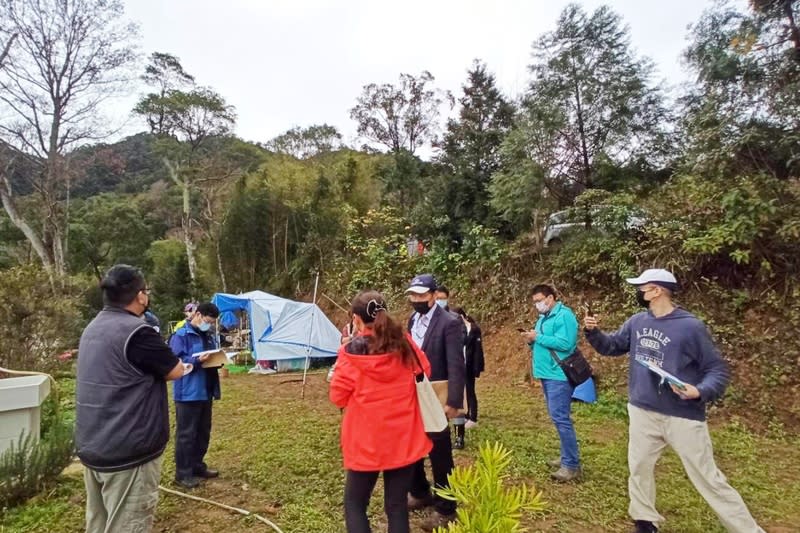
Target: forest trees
[(63, 60), (470, 150), (591, 109), (185, 117), (400, 117)]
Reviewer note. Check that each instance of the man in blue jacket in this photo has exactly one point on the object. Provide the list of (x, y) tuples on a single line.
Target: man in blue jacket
[(555, 335), (194, 394), (664, 413)]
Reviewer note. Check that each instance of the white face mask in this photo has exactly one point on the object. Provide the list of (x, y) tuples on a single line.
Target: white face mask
[(441, 303), (542, 307)]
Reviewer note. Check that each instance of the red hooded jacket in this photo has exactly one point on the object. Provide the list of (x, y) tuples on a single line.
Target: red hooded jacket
[(382, 426)]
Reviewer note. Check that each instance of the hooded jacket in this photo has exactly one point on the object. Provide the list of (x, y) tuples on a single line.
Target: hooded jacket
[(678, 343), (382, 426), (556, 330)]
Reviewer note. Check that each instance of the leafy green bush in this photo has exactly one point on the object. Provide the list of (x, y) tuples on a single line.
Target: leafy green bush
[(485, 504), (35, 324), (31, 463), (736, 229)]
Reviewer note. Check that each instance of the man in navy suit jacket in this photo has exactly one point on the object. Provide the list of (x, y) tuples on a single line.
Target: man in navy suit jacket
[(440, 334)]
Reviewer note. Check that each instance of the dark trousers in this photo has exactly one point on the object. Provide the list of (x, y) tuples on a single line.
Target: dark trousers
[(192, 435), (358, 489), (472, 398), (441, 457)]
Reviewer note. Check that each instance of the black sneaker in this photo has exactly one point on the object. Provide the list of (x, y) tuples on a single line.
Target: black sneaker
[(459, 443), (643, 526)]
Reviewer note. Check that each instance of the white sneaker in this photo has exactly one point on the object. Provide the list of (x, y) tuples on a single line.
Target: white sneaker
[(470, 424)]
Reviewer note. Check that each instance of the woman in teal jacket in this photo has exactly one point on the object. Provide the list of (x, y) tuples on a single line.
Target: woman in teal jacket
[(556, 334)]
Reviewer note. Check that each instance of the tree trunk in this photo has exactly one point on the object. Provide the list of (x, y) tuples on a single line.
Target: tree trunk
[(286, 247), (219, 266), (54, 174), (793, 29), (274, 229), (35, 241), (587, 169), (174, 174), (7, 49)]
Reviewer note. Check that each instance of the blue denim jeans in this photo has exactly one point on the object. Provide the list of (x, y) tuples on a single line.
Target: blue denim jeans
[(558, 395)]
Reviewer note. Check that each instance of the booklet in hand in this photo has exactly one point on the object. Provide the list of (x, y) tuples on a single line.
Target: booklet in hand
[(665, 376), (216, 358)]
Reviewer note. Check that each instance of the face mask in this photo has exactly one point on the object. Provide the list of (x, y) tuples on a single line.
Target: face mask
[(542, 307), (421, 307), (441, 303), (204, 326), (640, 299)]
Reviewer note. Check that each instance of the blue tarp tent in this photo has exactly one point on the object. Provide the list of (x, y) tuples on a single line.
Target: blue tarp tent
[(280, 329)]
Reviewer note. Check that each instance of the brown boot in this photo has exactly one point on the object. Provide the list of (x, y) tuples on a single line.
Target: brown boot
[(436, 519)]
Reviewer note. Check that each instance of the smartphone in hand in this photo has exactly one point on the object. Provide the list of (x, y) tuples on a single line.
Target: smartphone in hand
[(589, 310)]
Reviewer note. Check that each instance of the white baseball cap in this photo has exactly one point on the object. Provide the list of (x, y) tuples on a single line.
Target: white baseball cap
[(658, 276)]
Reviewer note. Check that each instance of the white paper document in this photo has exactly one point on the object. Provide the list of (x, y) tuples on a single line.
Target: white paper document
[(216, 358), (665, 376)]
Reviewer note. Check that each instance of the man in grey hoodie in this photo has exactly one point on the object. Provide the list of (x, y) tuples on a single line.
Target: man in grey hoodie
[(668, 407)]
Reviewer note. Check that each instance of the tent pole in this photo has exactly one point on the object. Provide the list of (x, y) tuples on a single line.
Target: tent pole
[(308, 345)]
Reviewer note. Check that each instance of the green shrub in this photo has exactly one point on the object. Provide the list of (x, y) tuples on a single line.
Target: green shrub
[(35, 324), (31, 463), (485, 504)]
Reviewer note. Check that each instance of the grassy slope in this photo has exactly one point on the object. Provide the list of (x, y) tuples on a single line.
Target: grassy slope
[(279, 457)]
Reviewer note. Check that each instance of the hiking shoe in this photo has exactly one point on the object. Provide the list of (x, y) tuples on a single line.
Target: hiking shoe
[(470, 424), (437, 519), (208, 473), (565, 474), (416, 504), (187, 482), (555, 463), (643, 526)]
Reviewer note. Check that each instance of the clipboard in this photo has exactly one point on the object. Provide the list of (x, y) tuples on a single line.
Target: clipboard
[(217, 358), (665, 376)]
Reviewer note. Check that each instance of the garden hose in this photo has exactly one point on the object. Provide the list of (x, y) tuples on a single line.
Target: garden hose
[(222, 505)]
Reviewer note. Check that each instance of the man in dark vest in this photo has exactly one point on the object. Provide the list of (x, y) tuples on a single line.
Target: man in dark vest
[(440, 334), (122, 424), (194, 395)]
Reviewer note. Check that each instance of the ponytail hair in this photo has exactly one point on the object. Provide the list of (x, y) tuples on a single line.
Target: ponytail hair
[(387, 334)]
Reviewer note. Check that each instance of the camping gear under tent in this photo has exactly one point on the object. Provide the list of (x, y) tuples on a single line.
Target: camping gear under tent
[(280, 330)]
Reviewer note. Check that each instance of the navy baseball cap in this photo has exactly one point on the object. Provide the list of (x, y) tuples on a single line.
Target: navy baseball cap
[(422, 284)]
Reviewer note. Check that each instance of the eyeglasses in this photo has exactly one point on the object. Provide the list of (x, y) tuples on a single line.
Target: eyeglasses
[(147, 291)]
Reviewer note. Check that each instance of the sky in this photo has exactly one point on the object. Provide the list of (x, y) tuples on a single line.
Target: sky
[(286, 63)]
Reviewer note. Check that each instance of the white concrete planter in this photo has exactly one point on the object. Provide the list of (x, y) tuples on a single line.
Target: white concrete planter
[(20, 405)]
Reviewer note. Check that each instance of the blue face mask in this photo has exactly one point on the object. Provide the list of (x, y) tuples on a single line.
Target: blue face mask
[(204, 326), (441, 303)]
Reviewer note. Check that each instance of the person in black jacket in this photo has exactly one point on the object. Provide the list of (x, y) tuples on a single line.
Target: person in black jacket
[(475, 363), (440, 334)]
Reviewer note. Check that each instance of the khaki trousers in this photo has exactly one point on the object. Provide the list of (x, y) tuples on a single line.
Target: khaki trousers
[(122, 502), (649, 434)]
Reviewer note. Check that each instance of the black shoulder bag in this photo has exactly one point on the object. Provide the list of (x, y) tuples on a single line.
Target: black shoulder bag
[(575, 367)]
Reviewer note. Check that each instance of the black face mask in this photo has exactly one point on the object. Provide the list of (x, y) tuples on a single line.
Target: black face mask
[(421, 307), (640, 299)]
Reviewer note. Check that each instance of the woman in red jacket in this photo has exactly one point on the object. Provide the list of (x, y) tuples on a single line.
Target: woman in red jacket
[(382, 429)]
